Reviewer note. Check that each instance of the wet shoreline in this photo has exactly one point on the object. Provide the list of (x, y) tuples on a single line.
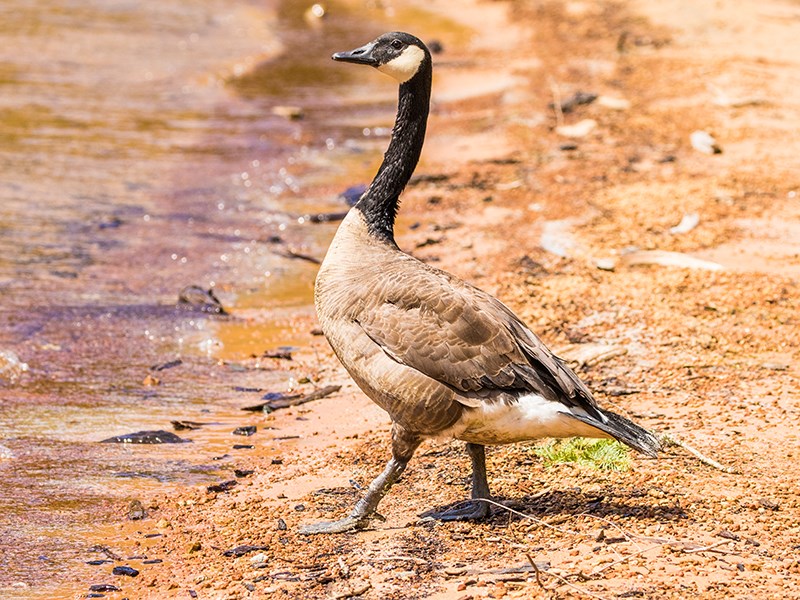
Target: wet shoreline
[(144, 164)]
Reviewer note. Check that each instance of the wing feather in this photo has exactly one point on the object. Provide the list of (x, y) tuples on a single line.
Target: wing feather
[(461, 336)]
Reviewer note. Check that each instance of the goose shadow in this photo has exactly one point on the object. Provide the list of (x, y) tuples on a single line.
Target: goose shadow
[(607, 504)]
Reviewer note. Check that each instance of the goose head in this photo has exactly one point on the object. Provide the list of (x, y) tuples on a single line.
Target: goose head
[(398, 54)]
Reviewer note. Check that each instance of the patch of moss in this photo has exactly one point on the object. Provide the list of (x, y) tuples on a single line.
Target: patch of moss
[(606, 455)]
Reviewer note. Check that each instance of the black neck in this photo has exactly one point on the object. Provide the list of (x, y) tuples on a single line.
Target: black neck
[(379, 203)]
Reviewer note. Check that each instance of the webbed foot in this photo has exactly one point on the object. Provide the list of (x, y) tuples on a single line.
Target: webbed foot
[(345, 525), (472, 510), (403, 446)]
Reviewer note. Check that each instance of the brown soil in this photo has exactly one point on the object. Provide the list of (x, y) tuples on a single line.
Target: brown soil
[(710, 356)]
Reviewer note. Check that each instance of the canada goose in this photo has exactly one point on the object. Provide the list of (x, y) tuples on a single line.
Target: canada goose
[(442, 357)]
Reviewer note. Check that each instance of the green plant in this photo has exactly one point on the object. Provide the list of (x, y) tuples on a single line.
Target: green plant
[(595, 454)]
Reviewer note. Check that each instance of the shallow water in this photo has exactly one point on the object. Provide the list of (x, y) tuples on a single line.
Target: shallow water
[(140, 155)]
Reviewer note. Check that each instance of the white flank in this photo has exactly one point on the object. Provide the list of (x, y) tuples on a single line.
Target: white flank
[(531, 417), (405, 66)]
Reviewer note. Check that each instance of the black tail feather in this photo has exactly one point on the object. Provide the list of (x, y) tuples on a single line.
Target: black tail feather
[(625, 431)]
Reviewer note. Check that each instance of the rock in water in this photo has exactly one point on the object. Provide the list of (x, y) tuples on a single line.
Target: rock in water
[(195, 297), (293, 113), (103, 587), (146, 437), (11, 367), (5, 453)]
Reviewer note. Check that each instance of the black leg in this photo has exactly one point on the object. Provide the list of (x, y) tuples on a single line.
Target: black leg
[(480, 485), (403, 447), (476, 509)]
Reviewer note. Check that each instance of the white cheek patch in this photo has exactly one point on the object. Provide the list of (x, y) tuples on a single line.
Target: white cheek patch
[(405, 66)]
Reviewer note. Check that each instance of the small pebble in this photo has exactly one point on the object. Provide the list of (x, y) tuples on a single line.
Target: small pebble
[(606, 264), (5, 453), (136, 511), (196, 298), (145, 437), (578, 130), (259, 561), (688, 222), (435, 46), (704, 142), (775, 366), (293, 113), (577, 99), (125, 570), (170, 364), (247, 430), (242, 550), (11, 367), (614, 103), (103, 587), (222, 487)]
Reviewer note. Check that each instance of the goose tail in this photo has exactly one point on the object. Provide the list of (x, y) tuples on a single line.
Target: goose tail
[(625, 431)]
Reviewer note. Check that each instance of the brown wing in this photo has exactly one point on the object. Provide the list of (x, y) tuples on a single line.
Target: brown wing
[(459, 335)]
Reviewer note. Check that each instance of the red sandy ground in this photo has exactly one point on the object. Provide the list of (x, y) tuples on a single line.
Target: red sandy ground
[(709, 356)]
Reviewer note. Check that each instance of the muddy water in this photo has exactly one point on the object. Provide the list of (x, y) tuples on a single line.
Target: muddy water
[(140, 154)]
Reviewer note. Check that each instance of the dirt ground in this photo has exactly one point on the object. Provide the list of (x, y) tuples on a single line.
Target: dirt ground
[(567, 216)]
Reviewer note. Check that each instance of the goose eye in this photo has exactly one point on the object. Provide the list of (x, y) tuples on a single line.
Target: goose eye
[(397, 44)]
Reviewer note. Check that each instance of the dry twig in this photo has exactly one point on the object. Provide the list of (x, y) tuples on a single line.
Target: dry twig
[(707, 548), (670, 440), (563, 580), (537, 572), (294, 399), (556, 102), (414, 559), (629, 536)]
